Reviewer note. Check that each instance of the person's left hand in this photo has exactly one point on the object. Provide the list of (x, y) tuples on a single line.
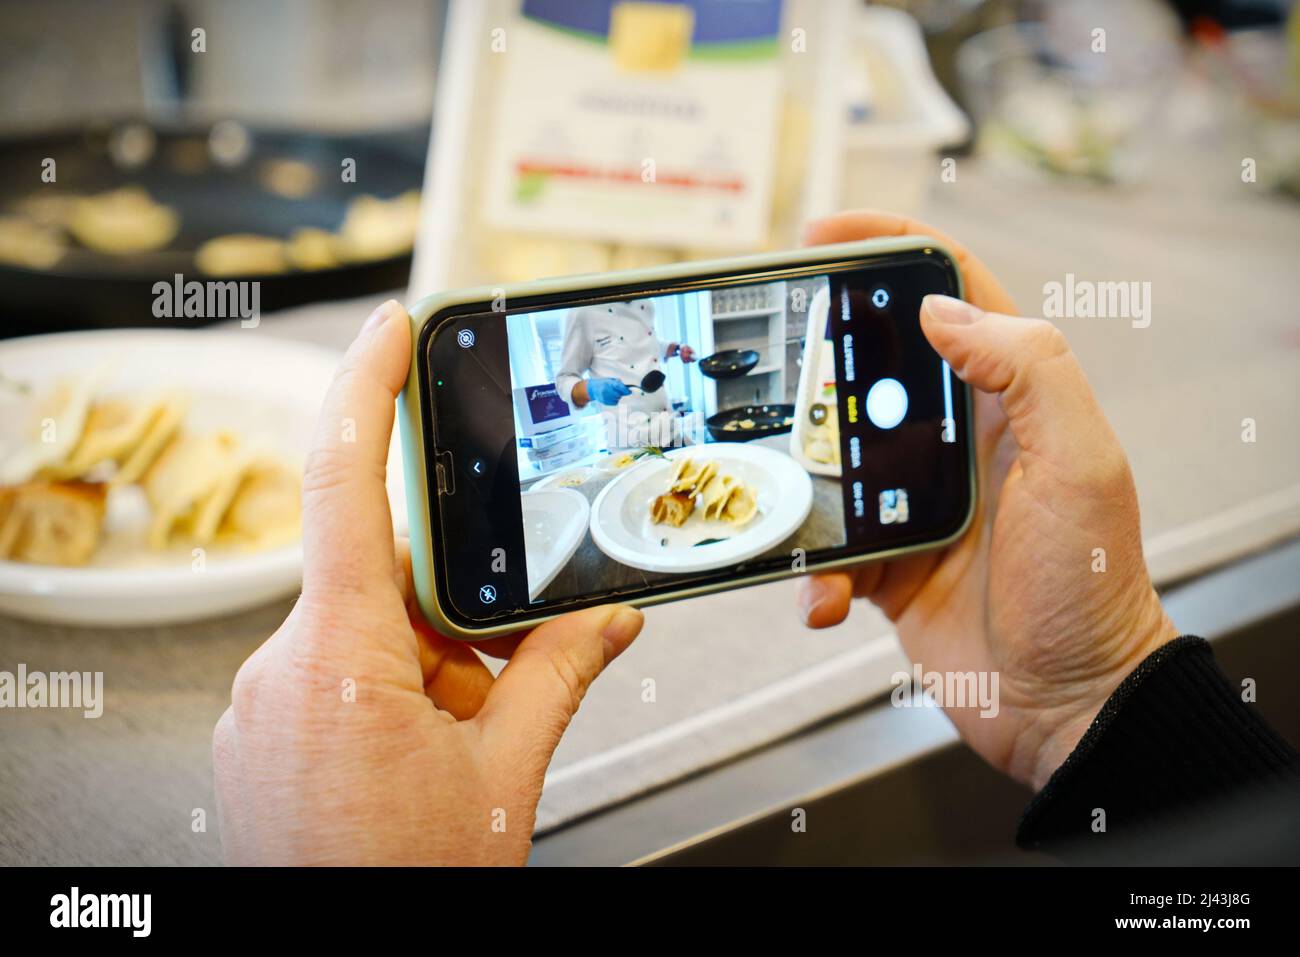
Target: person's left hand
[(686, 353), (359, 735)]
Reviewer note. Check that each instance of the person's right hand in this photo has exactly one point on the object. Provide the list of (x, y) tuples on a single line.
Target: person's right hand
[(1020, 593), (607, 391)]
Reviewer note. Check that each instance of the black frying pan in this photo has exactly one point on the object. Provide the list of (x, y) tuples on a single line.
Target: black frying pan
[(87, 289), (750, 422), (729, 363)]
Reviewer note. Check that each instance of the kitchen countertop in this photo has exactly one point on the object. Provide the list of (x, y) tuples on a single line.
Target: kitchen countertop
[(735, 671)]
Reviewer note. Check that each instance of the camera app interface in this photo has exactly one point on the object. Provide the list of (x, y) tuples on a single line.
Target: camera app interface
[(695, 436)]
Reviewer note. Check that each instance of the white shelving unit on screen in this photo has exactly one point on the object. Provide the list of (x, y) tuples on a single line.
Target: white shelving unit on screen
[(749, 318)]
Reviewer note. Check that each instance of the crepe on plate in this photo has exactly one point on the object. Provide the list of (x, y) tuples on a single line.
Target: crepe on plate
[(51, 523), (70, 454), (266, 508), (117, 431), (674, 508), (206, 489), (718, 495), (40, 431), (180, 485)]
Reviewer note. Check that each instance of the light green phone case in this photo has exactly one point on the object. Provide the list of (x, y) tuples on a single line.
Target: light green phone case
[(410, 407)]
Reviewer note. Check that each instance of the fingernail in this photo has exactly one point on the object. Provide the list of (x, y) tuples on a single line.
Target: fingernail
[(952, 311), (811, 594), (378, 317), (622, 627)]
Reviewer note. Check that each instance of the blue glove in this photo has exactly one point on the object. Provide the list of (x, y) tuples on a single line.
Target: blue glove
[(606, 391)]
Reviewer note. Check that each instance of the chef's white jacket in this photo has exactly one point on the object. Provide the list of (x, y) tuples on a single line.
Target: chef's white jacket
[(617, 341)]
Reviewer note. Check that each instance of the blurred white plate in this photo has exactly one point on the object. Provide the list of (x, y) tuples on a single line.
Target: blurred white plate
[(266, 390), (569, 478), (555, 520), (620, 516), (614, 462)]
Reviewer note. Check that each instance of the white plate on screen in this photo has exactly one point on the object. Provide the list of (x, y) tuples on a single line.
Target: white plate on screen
[(267, 390), (615, 462), (620, 516), (555, 522), (566, 478)]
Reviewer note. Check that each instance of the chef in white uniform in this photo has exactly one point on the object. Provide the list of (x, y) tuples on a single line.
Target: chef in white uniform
[(608, 348)]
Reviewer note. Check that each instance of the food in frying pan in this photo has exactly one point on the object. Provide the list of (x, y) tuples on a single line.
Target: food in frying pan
[(311, 248), (119, 222), (47, 209), (729, 363), (30, 244), (700, 485), (372, 229), (51, 523), (287, 177), (201, 488), (375, 228), (128, 220), (123, 221), (748, 422), (242, 254)]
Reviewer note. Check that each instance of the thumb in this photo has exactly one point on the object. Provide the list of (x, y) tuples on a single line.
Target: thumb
[(535, 697), (347, 533), (1049, 404)]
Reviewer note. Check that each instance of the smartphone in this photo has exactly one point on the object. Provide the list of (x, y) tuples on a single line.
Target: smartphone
[(668, 432)]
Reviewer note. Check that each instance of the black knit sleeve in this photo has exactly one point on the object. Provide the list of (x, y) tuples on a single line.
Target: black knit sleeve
[(1174, 737)]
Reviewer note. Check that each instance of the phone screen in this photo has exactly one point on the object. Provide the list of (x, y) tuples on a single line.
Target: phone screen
[(638, 441)]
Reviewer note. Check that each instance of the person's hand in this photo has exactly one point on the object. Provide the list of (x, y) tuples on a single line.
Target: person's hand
[(607, 391), (357, 734), (681, 351), (1022, 592)]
